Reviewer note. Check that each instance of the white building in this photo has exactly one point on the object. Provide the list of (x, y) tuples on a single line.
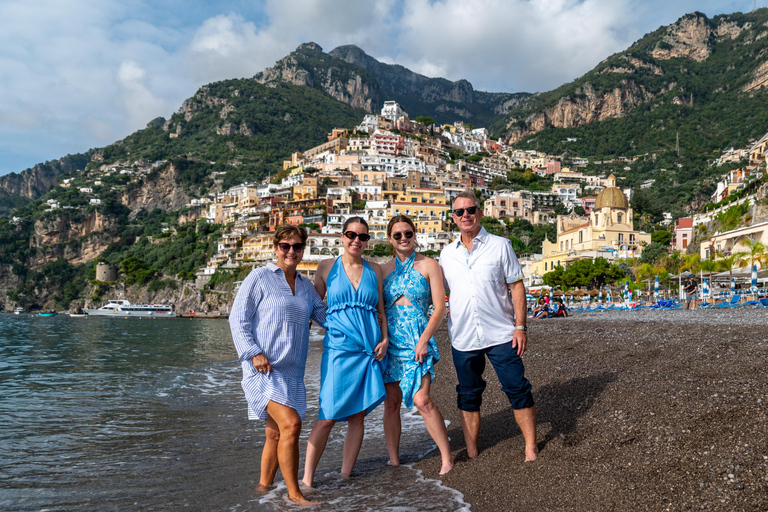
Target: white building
[(392, 111)]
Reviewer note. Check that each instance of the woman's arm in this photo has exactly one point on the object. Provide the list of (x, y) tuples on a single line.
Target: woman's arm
[(321, 275), (381, 348), (437, 290), (243, 315)]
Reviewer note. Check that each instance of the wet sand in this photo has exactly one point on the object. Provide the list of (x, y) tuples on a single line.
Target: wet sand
[(639, 410)]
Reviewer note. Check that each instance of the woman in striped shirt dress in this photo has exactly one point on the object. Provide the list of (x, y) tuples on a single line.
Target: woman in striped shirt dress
[(270, 329)]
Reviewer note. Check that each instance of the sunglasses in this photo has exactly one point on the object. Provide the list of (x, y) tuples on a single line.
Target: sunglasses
[(398, 236), (287, 247), (364, 237), (459, 212)]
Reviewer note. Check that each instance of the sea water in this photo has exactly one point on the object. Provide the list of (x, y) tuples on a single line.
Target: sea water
[(134, 414)]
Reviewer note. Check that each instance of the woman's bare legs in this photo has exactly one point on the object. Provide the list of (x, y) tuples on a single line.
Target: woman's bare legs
[(392, 427), (289, 426), (318, 438), (269, 454), (353, 442), (434, 422)]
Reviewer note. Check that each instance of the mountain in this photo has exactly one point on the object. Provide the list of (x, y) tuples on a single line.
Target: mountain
[(700, 79), (350, 75), (18, 189)]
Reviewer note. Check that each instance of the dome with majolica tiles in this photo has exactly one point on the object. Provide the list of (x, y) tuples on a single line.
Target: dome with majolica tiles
[(611, 196)]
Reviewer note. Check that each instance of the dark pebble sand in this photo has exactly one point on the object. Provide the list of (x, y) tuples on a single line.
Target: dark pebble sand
[(640, 410)]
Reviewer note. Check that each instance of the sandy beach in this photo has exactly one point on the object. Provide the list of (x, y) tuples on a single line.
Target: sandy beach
[(638, 410)]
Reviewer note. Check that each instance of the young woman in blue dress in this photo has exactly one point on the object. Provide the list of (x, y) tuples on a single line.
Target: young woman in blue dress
[(411, 283), (354, 348)]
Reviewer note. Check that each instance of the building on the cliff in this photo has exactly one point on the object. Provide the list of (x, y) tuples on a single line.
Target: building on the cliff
[(105, 272), (606, 232)]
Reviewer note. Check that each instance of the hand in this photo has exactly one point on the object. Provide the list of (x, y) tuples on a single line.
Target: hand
[(421, 351), (381, 350), (519, 341), (261, 364)]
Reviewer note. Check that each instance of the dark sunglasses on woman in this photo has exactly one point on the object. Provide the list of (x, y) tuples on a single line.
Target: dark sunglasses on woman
[(364, 237), (459, 212), (287, 247), (398, 236)]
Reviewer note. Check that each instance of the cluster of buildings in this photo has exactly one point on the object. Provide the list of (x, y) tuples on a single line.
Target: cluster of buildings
[(391, 165)]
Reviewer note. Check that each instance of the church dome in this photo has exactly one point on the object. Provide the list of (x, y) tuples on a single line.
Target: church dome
[(611, 196)]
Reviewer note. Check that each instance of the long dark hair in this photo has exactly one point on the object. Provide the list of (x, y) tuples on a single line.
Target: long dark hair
[(354, 220), (400, 218)]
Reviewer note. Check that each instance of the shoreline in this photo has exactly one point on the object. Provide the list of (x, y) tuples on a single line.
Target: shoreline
[(637, 410)]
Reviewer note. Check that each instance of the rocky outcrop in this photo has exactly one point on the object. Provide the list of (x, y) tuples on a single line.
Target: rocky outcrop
[(161, 191), (760, 78), (77, 241), (584, 106), (36, 181), (690, 37)]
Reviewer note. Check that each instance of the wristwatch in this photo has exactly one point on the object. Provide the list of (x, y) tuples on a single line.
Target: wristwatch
[(523, 328)]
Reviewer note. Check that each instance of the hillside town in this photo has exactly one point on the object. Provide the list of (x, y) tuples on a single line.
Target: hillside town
[(390, 165)]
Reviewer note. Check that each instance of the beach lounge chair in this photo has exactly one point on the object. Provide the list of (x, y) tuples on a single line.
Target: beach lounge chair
[(762, 303), (732, 303), (748, 303)]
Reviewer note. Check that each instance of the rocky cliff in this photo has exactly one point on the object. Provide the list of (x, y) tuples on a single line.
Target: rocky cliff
[(350, 75), (73, 239)]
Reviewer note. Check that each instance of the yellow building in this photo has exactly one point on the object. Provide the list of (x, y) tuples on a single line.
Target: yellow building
[(306, 190), (606, 232)]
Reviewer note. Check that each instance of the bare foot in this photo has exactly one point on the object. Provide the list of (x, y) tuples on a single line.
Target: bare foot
[(345, 476), (472, 453), (263, 488), (307, 485), (531, 454), (302, 501), (393, 463), (446, 467)]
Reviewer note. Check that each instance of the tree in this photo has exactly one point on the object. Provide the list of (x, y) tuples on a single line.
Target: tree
[(662, 237), (755, 253), (653, 253), (578, 210), (426, 121)]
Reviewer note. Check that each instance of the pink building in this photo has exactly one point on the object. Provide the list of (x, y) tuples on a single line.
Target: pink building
[(683, 233), (388, 144), (588, 203), (552, 167)]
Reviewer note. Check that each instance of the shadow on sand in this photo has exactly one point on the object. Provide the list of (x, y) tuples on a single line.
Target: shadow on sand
[(559, 404)]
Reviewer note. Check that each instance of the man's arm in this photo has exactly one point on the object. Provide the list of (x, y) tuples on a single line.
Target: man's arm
[(520, 337)]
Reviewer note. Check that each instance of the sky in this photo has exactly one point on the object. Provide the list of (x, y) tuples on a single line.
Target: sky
[(79, 74)]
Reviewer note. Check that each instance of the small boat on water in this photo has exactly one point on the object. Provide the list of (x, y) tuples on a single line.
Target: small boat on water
[(125, 309), (47, 313), (18, 311), (79, 313)]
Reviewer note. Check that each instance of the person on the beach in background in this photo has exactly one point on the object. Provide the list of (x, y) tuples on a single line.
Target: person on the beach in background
[(540, 311), (270, 329), (411, 283), (354, 348), (690, 293), (487, 301)]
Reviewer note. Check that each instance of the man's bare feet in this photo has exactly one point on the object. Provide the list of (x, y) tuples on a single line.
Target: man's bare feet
[(446, 467), (472, 453), (531, 454), (302, 501)]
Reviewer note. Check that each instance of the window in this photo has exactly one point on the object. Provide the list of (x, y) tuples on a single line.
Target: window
[(581, 236), (621, 237), (545, 265), (631, 238), (503, 203), (619, 217)]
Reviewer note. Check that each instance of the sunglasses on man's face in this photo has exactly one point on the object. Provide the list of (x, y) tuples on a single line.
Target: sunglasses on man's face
[(459, 212), (398, 236), (364, 237), (287, 247)]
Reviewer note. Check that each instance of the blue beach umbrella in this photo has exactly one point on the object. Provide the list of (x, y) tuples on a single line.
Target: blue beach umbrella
[(733, 285), (753, 287), (571, 301), (626, 289), (705, 289), (656, 289), (600, 294)]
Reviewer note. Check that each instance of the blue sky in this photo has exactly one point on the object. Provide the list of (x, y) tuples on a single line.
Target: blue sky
[(79, 74)]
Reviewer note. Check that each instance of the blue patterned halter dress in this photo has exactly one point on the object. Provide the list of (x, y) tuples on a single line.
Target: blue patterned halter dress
[(405, 325)]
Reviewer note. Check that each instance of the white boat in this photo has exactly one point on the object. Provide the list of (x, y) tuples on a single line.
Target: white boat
[(18, 311), (125, 309)]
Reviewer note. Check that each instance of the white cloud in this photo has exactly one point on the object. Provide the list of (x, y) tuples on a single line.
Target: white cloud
[(84, 73)]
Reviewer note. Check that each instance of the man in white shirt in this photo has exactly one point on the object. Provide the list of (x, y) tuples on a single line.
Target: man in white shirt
[(488, 307)]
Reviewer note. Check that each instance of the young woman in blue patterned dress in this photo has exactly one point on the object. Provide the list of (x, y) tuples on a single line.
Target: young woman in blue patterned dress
[(411, 283), (270, 329), (355, 345)]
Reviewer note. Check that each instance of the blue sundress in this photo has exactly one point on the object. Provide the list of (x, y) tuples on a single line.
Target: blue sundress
[(351, 379), (405, 325)]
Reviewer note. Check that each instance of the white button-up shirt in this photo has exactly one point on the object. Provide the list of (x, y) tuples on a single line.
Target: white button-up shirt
[(481, 311)]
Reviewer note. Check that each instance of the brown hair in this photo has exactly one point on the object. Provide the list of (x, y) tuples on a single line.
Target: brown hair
[(287, 231), (400, 218), (354, 220)]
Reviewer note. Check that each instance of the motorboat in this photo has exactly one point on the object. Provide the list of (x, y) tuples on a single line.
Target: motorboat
[(47, 313), (18, 311), (79, 313), (125, 309)]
